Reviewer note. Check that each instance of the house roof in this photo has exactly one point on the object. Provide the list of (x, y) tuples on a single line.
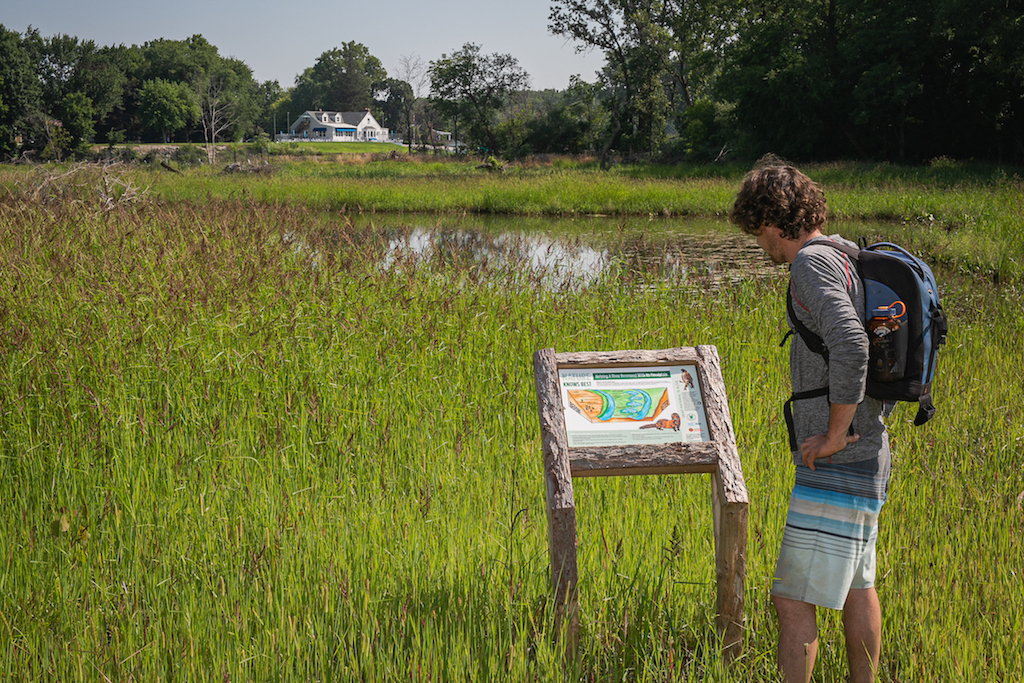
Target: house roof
[(348, 118)]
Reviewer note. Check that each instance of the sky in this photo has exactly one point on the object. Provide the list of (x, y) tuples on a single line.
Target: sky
[(278, 40)]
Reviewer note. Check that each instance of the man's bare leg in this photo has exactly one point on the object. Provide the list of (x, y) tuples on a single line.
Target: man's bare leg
[(862, 625), (798, 638)]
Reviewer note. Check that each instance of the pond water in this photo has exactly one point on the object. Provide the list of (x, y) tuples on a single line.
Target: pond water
[(569, 252)]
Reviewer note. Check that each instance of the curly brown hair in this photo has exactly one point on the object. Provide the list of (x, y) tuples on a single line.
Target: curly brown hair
[(780, 195)]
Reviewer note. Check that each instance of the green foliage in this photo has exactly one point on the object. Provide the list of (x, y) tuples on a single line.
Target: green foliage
[(704, 135), (66, 65), (873, 80), (260, 144), (116, 70), (396, 106), (167, 106), (573, 124), (19, 92), (55, 60), (188, 155), (903, 81), (77, 117), (267, 96), (58, 144), (228, 102), (343, 79), (471, 87), (779, 89), (661, 57), (178, 61)]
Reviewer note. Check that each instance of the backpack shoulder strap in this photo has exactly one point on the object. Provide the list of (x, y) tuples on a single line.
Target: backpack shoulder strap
[(815, 343), (852, 252)]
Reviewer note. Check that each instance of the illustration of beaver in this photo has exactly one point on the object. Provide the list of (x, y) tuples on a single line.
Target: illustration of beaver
[(668, 423)]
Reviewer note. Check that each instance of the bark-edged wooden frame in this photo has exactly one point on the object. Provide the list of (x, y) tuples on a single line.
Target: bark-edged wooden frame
[(718, 456)]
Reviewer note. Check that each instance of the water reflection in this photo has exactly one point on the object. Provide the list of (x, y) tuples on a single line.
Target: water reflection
[(533, 256), (553, 253), (562, 253)]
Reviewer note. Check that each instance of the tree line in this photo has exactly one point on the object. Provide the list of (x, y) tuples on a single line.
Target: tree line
[(808, 79), (683, 79), (60, 94)]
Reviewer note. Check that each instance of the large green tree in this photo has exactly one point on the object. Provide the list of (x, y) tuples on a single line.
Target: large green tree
[(980, 65), (779, 75), (472, 87), (228, 97), (343, 79), (637, 44), (167, 106), (699, 31)]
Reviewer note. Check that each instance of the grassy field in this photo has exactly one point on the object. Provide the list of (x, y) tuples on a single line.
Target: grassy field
[(239, 440)]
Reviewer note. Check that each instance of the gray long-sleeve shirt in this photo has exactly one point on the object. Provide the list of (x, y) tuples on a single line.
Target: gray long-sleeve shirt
[(828, 298)]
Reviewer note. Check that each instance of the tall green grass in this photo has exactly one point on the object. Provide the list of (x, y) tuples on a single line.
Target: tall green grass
[(238, 440), (968, 217)]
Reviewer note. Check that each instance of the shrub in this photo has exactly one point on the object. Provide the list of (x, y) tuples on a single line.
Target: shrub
[(260, 145), (188, 155)]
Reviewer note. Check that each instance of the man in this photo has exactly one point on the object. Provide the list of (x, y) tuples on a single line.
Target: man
[(838, 440)]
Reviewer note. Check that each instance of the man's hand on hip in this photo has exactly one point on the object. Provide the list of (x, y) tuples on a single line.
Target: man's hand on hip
[(819, 446), (840, 417)]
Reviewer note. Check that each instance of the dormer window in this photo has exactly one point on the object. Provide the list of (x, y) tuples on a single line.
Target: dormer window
[(337, 118), (326, 118)]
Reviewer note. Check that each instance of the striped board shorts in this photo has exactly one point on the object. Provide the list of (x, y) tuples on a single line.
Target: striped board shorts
[(828, 545)]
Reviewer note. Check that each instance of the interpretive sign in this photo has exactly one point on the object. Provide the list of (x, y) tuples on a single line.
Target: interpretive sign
[(640, 412), (634, 405)]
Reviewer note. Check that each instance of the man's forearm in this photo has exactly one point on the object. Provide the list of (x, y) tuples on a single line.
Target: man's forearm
[(840, 417)]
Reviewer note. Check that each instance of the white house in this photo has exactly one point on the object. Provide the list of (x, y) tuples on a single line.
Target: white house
[(339, 126)]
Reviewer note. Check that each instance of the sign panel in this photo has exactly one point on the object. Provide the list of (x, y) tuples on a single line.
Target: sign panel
[(625, 406)]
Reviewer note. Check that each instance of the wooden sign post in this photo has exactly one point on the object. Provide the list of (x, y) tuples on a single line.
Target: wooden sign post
[(640, 412)]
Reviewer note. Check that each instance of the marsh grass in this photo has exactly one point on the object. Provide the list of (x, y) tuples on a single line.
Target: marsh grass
[(966, 216), (243, 440)]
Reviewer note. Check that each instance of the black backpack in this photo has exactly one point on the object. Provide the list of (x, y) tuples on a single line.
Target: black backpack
[(903, 339)]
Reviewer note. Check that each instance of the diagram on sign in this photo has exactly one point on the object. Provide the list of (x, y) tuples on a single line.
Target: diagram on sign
[(624, 406), (619, 405)]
